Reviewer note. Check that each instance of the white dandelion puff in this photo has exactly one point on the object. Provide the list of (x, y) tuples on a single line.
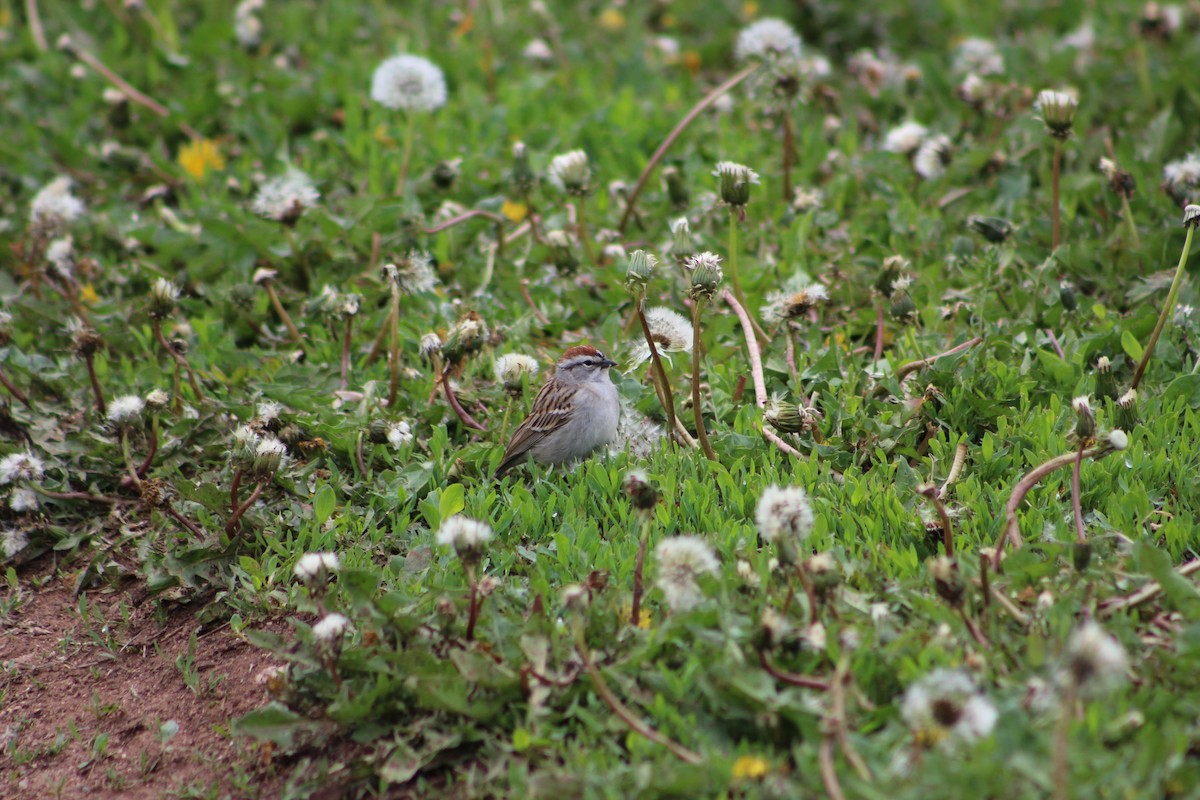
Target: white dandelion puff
[(905, 138), (125, 409), (681, 560), (286, 197), (945, 706), (20, 467), (311, 565), (784, 515), (331, 626), (767, 37), (409, 83), (671, 331), (54, 207), (570, 172)]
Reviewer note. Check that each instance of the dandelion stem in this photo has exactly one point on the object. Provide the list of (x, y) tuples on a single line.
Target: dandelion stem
[(581, 230), (789, 153), (1012, 526), (697, 409), (791, 678), (829, 778), (930, 493), (346, 353), (232, 525), (235, 498), (921, 363), (675, 133), (1062, 731), (623, 711), (394, 350), (1167, 310), (282, 312), (409, 134), (1146, 593), (88, 357), (1128, 213), (1076, 504), (13, 390), (472, 601), (53, 495), (542, 318), (184, 521), (879, 329), (1055, 212), (180, 360), (635, 613), (130, 91), (35, 26), (837, 692), (452, 399), (381, 337), (660, 372), (133, 476)]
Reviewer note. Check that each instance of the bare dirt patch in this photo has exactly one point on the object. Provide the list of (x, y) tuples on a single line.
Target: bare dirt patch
[(84, 698)]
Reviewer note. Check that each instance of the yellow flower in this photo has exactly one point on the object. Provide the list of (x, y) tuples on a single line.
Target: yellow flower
[(87, 293), (465, 26), (754, 767), (644, 618), (749, 9), (612, 20), (691, 60), (514, 211), (197, 157), (381, 135)]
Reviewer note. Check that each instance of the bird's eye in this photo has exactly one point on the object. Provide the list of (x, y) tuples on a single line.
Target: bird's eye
[(589, 363)]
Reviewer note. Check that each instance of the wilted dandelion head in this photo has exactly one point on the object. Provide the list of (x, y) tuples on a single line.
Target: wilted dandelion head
[(570, 172), (671, 331), (60, 253), (766, 38), (409, 83), (513, 368), (411, 275), (1182, 177), (21, 467), (784, 306), (285, 198), (681, 560), (126, 409), (23, 499), (54, 207), (706, 273), (466, 536), (905, 138), (946, 707), (784, 516), (269, 454), (1094, 661), (932, 157), (12, 541)]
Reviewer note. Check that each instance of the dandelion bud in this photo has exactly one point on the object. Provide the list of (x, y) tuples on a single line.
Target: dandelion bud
[(513, 369), (1085, 419), (157, 400), (775, 630), (1191, 216), (570, 173), (562, 251), (268, 457), (242, 296), (163, 297), (995, 229), (785, 417), (1127, 412), (466, 536), (377, 431), (465, 339), (946, 579), (677, 189), (245, 445), (903, 308), (706, 274), (85, 340), (522, 176), (5, 328), (431, 345), (1066, 296), (823, 570), (1081, 556), (641, 493), (890, 273), (445, 173), (575, 598), (1058, 112), (1106, 382), (682, 245), (639, 271), (734, 182), (1120, 181)]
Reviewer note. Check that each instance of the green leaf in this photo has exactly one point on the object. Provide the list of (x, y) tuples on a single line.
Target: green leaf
[(1186, 387), (452, 501), (1131, 346), (274, 723), (324, 503)]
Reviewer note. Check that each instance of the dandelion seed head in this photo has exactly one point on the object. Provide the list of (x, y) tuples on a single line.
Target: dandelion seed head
[(681, 560), (767, 37), (905, 138), (409, 83), (21, 467), (331, 626), (784, 514), (285, 198), (125, 409)]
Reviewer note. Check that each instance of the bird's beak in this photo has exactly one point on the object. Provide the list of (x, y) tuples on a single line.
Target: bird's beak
[(608, 362)]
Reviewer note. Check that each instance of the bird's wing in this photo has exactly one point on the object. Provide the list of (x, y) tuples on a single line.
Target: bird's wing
[(551, 410)]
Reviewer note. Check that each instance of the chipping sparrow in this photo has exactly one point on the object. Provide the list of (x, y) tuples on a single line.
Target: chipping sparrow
[(575, 412)]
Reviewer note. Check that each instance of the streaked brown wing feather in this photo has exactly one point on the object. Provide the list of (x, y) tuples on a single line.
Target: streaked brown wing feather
[(551, 410)]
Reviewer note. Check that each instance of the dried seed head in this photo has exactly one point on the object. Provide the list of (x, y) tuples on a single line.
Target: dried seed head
[(947, 580), (1085, 418), (513, 370), (641, 493), (466, 536), (570, 173), (163, 297)]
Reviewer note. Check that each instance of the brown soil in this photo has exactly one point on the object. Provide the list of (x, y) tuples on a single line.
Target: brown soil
[(82, 700)]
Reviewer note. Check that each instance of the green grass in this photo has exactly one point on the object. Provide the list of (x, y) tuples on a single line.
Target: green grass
[(426, 708)]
